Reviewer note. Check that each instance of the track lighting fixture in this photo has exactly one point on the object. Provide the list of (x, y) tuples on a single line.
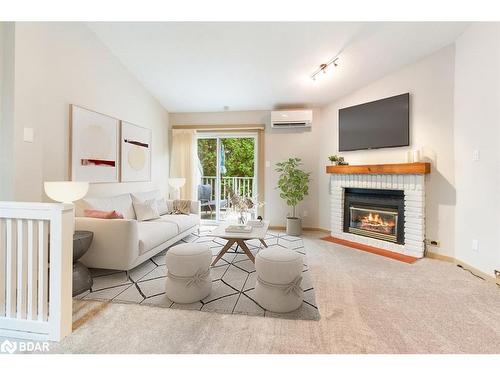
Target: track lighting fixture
[(323, 68)]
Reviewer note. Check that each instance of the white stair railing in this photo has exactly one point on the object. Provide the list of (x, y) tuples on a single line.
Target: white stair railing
[(36, 251)]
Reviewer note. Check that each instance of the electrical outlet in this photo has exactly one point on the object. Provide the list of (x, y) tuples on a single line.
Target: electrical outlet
[(475, 155), (475, 245), (434, 243), (29, 135), (305, 213)]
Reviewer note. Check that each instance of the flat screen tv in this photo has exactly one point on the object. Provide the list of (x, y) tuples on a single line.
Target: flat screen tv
[(379, 124)]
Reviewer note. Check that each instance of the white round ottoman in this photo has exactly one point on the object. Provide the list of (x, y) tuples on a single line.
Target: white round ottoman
[(188, 272), (279, 274)]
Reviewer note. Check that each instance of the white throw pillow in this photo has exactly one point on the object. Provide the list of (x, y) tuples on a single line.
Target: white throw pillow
[(162, 206), (146, 195), (147, 210)]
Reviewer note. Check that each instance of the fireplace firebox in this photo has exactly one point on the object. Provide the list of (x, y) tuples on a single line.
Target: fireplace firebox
[(375, 213)]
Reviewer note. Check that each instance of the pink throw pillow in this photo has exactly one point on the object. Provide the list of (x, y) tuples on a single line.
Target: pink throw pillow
[(96, 214)]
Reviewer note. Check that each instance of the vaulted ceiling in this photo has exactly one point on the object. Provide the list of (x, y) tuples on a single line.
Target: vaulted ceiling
[(196, 67)]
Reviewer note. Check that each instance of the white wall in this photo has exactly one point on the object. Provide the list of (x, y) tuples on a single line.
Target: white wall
[(430, 83), (477, 106), (279, 145), (6, 109), (58, 64)]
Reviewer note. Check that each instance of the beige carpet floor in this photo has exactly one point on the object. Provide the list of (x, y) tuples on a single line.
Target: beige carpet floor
[(368, 304)]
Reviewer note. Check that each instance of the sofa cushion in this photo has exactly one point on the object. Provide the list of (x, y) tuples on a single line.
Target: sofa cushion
[(120, 203), (147, 210), (183, 222), (162, 206), (146, 195), (153, 233)]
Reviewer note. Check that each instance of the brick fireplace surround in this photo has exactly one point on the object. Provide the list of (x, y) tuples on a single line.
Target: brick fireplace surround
[(408, 177)]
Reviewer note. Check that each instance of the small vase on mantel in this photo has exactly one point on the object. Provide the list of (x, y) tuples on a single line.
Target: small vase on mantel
[(416, 156), (413, 156)]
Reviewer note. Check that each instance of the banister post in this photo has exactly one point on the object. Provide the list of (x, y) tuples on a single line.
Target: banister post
[(61, 272)]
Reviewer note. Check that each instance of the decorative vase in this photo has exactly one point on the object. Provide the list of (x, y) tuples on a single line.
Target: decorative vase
[(416, 156), (242, 218)]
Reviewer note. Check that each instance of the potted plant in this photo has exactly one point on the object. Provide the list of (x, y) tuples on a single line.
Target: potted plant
[(337, 160), (294, 186)]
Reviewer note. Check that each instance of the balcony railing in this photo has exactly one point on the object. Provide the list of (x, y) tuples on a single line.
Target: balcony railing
[(244, 186)]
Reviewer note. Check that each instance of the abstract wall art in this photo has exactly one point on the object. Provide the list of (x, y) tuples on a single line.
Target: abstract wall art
[(94, 146), (135, 153)]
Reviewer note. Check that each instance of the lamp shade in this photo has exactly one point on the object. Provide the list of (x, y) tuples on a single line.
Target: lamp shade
[(176, 182), (66, 191)]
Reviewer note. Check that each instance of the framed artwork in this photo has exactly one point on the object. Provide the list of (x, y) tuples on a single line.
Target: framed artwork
[(94, 146), (135, 153)]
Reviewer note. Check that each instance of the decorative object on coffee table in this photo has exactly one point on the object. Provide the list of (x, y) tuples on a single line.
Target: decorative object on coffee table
[(239, 239), (293, 184), (82, 279), (242, 205)]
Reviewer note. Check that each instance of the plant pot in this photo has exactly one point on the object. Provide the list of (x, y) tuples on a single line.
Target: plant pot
[(294, 226)]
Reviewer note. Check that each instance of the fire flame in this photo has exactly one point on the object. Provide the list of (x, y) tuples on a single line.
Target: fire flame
[(375, 222)]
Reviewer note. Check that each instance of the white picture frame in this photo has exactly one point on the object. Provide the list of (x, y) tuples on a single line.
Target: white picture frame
[(94, 146), (136, 151)]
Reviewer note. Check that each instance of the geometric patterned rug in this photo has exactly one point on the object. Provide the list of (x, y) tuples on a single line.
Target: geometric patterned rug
[(233, 281)]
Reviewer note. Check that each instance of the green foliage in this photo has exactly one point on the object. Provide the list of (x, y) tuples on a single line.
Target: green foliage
[(338, 160), (239, 154), (293, 182), (207, 152)]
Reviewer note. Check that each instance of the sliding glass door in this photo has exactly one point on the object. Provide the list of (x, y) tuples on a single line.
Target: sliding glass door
[(226, 162)]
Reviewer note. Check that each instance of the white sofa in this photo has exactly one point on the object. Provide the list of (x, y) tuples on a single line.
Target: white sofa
[(122, 244)]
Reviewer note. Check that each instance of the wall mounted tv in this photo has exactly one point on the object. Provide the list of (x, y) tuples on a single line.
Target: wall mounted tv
[(379, 124)]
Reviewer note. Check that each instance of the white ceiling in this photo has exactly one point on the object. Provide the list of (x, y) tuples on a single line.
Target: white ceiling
[(197, 67)]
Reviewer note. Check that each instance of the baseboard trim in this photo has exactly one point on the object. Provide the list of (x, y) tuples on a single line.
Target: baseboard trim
[(444, 258), (458, 262), (371, 249)]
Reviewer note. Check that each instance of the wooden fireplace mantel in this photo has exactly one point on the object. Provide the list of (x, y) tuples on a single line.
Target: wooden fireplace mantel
[(403, 168)]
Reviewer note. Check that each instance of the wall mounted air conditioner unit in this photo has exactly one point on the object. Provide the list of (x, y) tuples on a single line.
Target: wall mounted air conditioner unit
[(299, 118)]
